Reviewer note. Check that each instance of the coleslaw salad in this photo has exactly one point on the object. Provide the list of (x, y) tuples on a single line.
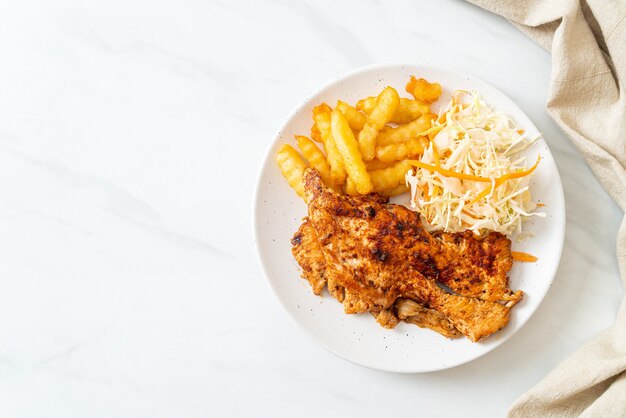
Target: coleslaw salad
[(470, 176)]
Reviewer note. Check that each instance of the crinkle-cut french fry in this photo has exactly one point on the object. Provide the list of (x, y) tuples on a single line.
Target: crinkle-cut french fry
[(407, 110), (349, 149), (321, 116), (351, 188), (422, 90), (355, 119), (402, 150), (386, 104), (398, 190), (391, 177), (403, 188), (292, 167), (376, 164), (315, 158), (405, 132)]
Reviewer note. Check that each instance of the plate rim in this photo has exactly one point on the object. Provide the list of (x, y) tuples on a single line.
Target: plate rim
[(264, 165)]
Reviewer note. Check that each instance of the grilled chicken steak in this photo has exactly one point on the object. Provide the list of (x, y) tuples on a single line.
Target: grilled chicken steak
[(376, 257)]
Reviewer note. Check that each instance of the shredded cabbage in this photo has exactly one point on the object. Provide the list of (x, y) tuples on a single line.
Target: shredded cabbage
[(473, 139)]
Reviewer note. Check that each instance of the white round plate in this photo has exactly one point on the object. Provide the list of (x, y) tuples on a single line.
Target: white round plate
[(279, 211)]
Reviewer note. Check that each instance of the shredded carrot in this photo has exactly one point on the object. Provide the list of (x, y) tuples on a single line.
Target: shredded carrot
[(436, 156), (523, 257), (539, 205), (484, 193), (520, 174), (430, 130), (446, 172), (431, 134), (434, 131), (471, 215), (450, 173), (500, 180)]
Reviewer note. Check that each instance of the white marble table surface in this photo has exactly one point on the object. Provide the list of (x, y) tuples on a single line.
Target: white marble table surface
[(131, 133)]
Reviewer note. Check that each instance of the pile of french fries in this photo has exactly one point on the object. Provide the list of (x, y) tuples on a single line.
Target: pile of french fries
[(367, 146)]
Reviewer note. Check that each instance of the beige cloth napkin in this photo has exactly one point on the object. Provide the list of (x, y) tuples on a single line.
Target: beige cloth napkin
[(587, 99)]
